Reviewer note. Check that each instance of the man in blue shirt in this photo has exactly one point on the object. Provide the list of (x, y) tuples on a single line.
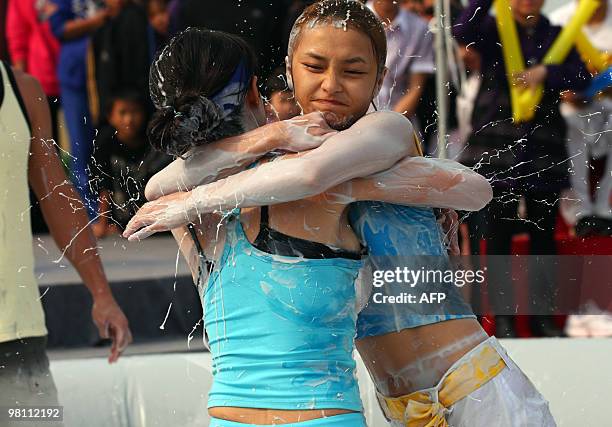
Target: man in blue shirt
[(72, 23)]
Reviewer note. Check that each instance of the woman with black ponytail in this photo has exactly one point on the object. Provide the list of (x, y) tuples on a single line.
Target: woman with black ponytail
[(277, 282), (198, 85), (204, 86)]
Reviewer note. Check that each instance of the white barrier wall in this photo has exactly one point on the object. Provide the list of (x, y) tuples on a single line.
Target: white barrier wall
[(575, 375)]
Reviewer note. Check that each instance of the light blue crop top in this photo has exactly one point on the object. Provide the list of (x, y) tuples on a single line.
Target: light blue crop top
[(281, 329)]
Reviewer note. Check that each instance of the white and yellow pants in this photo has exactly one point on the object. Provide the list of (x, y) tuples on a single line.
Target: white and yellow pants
[(484, 388)]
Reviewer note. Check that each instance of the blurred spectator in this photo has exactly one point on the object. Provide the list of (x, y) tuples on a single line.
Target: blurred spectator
[(526, 159), (35, 50), (415, 6), (175, 8), (467, 66), (588, 123), (73, 22), (33, 47), (159, 21), (123, 162), (427, 109), (119, 58), (410, 58), (281, 104), (259, 22), (423, 8), (469, 59)]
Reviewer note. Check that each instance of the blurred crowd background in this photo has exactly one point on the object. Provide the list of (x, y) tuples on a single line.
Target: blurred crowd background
[(92, 58)]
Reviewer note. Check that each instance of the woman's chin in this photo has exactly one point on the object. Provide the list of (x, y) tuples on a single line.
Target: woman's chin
[(338, 121)]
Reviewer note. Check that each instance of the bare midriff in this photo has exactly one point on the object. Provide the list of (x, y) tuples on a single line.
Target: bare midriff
[(387, 356), (271, 416)]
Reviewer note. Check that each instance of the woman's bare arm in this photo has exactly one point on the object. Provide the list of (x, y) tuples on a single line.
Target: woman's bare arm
[(373, 144), (217, 160), (421, 181)]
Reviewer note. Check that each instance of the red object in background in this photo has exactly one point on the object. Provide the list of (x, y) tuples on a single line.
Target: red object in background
[(567, 244), (29, 39)]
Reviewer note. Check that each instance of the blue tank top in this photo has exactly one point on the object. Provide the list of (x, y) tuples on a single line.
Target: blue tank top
[(403, 236), (396, 231), (281, 329)]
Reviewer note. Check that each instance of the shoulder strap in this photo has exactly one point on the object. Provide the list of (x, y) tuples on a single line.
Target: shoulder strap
[(264, 216), (196, 242), (418, 144), (264, 228)]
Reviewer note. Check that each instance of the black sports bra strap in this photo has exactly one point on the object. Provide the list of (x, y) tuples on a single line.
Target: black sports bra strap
[(274, 242), (201, 255), (196, 241), (264, 218), (264, 229)]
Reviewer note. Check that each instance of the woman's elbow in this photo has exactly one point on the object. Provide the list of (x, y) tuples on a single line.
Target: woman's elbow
[(481, 192), (405, 134), (153, 190), (167, 181), (313, 181)]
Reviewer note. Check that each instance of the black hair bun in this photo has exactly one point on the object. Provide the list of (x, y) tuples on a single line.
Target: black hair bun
[(190, 122)]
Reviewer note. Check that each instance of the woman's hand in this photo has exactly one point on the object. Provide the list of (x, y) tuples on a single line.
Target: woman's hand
[(449, 221), (303, 132), (163, 214)]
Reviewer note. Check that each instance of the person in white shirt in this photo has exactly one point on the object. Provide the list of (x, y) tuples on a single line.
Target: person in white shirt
[(28, 157), (589, 136), (588, 125), (410, 58)]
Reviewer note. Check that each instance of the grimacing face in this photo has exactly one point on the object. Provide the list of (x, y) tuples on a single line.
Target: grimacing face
[(334, 71)]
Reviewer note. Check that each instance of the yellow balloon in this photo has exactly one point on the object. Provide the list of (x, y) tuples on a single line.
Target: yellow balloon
[(515, 101), (564, 42), (525, 101), (506, 27), (562, 46), (529, 100), (595, 59), (511, 49)]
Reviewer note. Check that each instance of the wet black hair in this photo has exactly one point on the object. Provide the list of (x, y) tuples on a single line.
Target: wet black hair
[(194, 66), (353, 14)]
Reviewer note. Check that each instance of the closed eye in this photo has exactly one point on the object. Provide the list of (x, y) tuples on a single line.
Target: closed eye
[(313, 67)]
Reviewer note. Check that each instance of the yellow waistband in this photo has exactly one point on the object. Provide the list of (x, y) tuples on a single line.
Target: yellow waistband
[(419, 409)]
